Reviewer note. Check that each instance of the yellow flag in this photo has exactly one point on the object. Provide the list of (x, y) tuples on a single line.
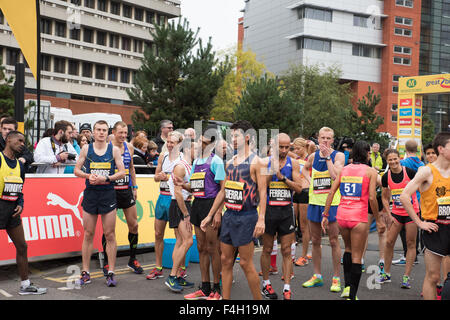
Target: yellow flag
[(22, 19)]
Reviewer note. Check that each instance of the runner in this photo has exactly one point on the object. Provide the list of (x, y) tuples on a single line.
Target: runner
[(207, 178), (12, 177), (279, 219), (357, 185), (166, 163), (126, 193), (179, 213), (433, 182), (394, 181), (100, 160), (325, 164), (301, 202), (241, 223)]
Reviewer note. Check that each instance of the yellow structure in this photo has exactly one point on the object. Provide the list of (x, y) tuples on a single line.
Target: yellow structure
[(410, 93)]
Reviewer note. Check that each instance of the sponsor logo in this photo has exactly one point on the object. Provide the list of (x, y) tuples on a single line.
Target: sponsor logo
[(405, 102), (47, 227), (411, 83), (404, 132), (442, 82), (405, 121), (405, 112), (418, 112)]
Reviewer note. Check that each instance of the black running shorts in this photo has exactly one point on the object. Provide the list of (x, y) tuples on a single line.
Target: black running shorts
[(175, 214), (125, 198), (200, 209), (279, 219), (99, 201)]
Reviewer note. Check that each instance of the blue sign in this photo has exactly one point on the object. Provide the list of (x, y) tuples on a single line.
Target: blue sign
[(406, 112)]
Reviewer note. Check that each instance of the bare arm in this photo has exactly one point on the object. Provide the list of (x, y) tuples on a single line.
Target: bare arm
[(296, 183), (80, 162), (261, 180), (334, 187), (335, 168), (180, 172)]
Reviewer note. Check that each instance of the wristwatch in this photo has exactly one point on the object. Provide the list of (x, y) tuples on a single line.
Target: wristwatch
[(107, 179), (328, 158), (284, 179)]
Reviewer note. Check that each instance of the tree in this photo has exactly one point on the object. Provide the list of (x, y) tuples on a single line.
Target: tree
[(176, 82), (266, 105), (244, 69), (364, 122), (6, 92), (320, 97), (428, 129)]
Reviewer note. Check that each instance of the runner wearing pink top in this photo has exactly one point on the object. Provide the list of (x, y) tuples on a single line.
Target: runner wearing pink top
[(357, 185)]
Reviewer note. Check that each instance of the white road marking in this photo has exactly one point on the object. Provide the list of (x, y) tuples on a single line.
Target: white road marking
[(6, 294)]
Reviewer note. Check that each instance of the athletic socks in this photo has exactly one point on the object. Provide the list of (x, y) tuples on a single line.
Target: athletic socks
[(347, 262), (133, 240), (206, 288), (354, 279)]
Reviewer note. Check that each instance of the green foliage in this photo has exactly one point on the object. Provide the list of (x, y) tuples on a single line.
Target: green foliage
[(428, 129), (174, 82), (6, 92)]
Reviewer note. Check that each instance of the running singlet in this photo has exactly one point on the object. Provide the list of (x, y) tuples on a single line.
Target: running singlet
[(278, 192), (167, 168), (396, 191), (354, 189), (11, 182), (203, 184), (124, 183), (240, 189), (435, 201), (321, 181), (187, 168), (100, 165)]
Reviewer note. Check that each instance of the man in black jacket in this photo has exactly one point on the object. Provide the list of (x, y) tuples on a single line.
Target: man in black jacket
[(165, 127), (25, 156)]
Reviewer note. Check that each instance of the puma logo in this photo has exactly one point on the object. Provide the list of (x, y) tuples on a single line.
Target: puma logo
[(56, 200)]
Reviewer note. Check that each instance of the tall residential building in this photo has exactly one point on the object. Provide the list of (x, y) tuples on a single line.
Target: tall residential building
[(91, 50), (373, 42)]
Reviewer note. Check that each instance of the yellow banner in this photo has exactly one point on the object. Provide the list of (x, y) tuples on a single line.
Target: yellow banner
[(22, 19), (147, 196), (438, 83)]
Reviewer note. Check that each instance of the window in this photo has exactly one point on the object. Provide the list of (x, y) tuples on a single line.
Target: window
[(446, 9), (138, 45), (88, 35), (405, 3), (150, 17), (114, 41), (362, 50), (102, 5), (360, 21), (403, 61), (2, 17), (112, 74), (161, 20), (87, 69), (12, 56), (403, 21), (394, 118), (396, 77), (89, 4), (46, 62), (394, 89), (127, 11), (74, 67), (126, 44), (101, 38), (46, 26), (403, 32), (59, 65), (139, 14), (125, 76), (75, 34), (314, 44), (60, 29), (315, 13), (394, 107), (403, 50), (100, 72), (115, 8)]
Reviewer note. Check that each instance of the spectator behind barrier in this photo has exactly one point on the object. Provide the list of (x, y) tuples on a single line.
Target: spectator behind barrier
[(82, 140), (139, 158), (86, 129), (74, 143), (165, 127), (7, 125), (56, 150)]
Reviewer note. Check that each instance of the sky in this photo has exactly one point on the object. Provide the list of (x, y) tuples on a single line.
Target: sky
[(216, 18)]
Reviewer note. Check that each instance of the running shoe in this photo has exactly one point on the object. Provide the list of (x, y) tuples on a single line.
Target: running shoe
[(269, 293), (399, 262), (31, 289), (309, 257), (405, 283), (183, 273), (287, 295), (110, 281), (85, 278), (197, 295), (185, 284), (438, 292), (214, 296), (155, 274), (346, 292), (381, 267), (363, 268), (272, 270), (336, 285), (105, 269), (313, 282), (135, 266), (172, 283), (301, 262), (384, 278)]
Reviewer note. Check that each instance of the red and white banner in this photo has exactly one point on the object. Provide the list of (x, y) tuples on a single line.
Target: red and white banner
[(51, 219)]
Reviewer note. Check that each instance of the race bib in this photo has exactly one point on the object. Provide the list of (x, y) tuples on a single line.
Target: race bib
[(279, 194), (122, 184), (234, 195), (12, 188), (396, 193), (351, 188), (164, 186), (302, 164), (321, 182), (198, 184), (101, 169), (443, 208)]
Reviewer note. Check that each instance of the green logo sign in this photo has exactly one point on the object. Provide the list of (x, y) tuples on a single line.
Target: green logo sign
[(411, 83)]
